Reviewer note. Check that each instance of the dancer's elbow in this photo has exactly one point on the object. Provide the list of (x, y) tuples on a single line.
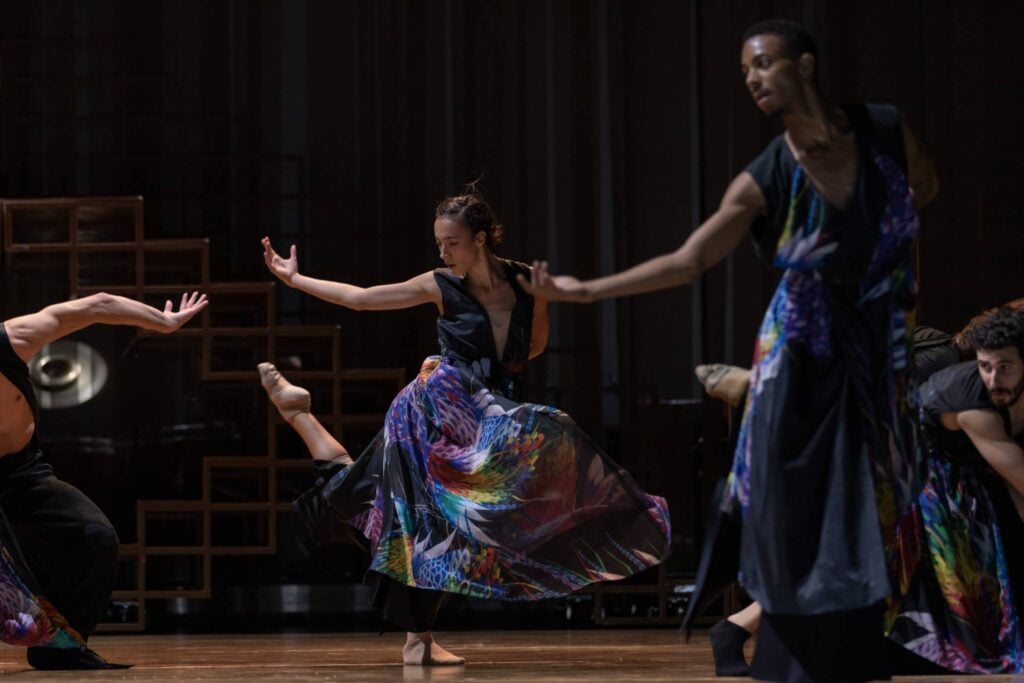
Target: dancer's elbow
[(686, 268)]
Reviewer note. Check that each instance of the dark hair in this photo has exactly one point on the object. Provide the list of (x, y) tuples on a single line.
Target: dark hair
[(795, 37), (1001, 328), (471, 210), (963, 341)]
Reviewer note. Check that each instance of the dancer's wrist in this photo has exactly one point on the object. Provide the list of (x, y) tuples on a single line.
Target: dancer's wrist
[(585, 293)]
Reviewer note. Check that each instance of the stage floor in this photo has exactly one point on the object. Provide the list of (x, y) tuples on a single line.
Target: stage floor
[(591, 656)]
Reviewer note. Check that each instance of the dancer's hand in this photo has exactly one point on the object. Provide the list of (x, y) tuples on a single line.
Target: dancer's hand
[(543, 285), (172, 320), (283, 268)]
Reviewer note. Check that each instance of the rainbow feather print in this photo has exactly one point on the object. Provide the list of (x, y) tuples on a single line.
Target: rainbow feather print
[(28, 619), (479, 495)]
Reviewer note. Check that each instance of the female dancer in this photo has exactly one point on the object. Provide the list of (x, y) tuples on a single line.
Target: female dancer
[(465, 490)]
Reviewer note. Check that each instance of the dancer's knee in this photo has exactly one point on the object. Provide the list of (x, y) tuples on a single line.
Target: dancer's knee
[(101, 540)]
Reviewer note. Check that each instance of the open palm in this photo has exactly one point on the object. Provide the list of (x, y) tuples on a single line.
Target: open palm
[(284, 268), (190, 305)]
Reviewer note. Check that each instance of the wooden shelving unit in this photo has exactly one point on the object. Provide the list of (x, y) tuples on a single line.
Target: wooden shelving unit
[(103, 240)]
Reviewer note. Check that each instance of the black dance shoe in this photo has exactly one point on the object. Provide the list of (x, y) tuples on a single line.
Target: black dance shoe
[(67, 659), (727, 641)]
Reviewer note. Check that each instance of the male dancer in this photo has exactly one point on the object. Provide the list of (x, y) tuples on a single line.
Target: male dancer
[(832, 202), (933, 351), (58, 551)]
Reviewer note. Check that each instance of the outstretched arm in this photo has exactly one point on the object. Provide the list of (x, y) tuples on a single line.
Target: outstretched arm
[(708, 245), (29, 333), (421, 289), (988, 434)]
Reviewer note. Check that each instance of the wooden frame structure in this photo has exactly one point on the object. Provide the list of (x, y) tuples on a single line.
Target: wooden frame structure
[(82, 227)]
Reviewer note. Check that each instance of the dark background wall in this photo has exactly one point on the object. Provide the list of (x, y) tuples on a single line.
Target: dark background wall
[(603, 131)]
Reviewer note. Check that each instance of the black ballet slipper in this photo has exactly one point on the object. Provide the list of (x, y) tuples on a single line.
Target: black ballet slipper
[(68, 659), (727, 641)]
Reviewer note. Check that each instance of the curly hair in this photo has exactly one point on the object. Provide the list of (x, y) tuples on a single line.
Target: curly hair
[(1001, 328), (962, 339), (796, 38), (471, 210)]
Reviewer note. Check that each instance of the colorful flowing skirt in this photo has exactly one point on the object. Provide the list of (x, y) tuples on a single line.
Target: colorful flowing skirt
[(27, 618), (468, 492), (961, 608)]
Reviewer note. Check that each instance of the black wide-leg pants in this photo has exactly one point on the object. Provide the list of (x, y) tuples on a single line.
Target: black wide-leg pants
[(61, 537)]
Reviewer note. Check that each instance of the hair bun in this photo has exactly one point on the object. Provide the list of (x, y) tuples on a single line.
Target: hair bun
[(472, 210)]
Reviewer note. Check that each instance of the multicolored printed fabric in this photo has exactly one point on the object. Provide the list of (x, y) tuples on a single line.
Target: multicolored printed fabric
[(826, 461), (960, 607), (27, 619), (468, 492), (844, 504), (960, 610), (799, 315)]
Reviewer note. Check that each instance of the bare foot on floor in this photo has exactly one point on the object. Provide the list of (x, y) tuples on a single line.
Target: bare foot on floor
[(289, 399), (421, 650)]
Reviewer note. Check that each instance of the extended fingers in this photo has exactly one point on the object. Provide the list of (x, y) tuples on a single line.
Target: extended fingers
[(268, 250), (539, 275), (195, 300)]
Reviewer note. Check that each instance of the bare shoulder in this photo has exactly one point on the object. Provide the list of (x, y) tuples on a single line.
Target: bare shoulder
[(24, 332), (744, 192), (427, 283), (742, 203), (29, 333)]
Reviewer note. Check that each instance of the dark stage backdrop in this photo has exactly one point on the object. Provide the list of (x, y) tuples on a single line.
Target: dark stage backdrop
[(602, 130)]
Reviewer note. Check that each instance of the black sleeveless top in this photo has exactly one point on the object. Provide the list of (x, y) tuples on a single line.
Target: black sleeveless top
[(877, 130), (467, 340), (954, 390)]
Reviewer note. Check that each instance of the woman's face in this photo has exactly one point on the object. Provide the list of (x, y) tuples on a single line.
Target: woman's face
[(457, 246)]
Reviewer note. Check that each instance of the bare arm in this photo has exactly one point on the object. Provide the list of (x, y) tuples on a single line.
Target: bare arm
[(708, 245), (988, 434), (421, 289), (924, 183), (29, 333)]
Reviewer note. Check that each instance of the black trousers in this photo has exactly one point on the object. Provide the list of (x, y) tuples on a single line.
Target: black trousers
[(65, 541)]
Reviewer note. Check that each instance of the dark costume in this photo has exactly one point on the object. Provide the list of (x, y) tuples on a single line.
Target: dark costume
[(467, 491), (962, 607), (58, 551), (826, 456)]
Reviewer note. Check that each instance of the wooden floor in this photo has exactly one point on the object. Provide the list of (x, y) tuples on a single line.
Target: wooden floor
[(591, 656)]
